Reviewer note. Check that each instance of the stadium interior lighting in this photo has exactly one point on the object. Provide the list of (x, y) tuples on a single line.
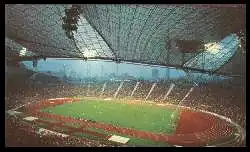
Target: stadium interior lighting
[(23, 52), (212, 47)]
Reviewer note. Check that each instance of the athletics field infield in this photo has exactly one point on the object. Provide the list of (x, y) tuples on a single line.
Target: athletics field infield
[(127, 122)]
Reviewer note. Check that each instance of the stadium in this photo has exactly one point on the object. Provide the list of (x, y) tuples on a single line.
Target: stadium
[(127, 75)]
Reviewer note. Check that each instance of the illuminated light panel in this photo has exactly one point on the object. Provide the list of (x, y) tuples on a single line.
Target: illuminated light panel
[(30, 118), (23, 52), (45, 132), (212, 47), (119, 139), (11, 112)]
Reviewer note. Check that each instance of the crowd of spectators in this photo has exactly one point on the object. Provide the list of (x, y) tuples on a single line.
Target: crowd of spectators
[(24, 135), (221, 99)]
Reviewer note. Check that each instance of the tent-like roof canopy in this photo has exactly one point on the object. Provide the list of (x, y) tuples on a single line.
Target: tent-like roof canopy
[(154, 34)]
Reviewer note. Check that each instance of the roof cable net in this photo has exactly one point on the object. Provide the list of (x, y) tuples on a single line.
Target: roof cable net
[(39, 28), (138, 33)]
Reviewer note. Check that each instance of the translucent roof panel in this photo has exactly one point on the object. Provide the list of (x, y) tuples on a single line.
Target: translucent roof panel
[(216, 54), (140, 32), (39, 28), (90, 42), (136, 33)]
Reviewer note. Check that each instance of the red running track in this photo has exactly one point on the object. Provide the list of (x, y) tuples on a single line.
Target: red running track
[(193, 129)]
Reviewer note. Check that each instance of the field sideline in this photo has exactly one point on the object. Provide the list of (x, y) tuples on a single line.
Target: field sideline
[(144, 117)]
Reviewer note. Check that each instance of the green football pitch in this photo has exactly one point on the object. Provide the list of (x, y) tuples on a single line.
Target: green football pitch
[(145, 117)]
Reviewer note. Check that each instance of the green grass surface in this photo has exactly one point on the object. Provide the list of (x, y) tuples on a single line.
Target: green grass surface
[(144, 117)]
